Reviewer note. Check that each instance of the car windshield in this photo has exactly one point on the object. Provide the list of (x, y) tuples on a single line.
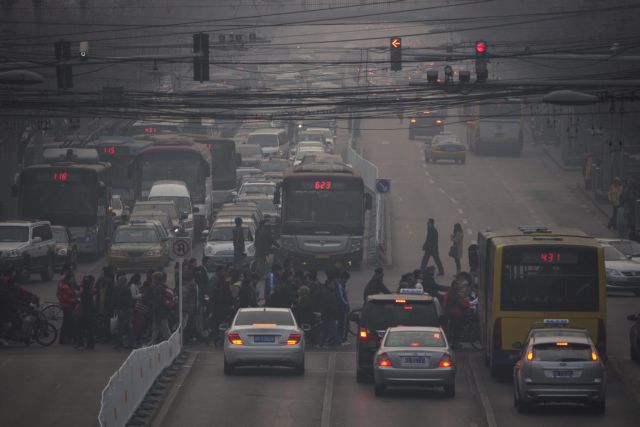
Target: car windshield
[(249, 151), (562, 352), (612, 254), (274, 166), (9, 233), (258, 189), (225, 234), (139, 235), (60, 235), (627, 247), (380, 315), (162, 207), (266, 317), (263, 140), (164, 220), (414, 339), (182, 203)]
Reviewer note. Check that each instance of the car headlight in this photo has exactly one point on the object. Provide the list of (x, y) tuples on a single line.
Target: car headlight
[(153, 252), (117, 252), (13, 253), (61, 251), (614, 273)]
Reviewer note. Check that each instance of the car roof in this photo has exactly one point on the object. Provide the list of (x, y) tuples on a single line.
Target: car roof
[(149, 213), (395, 296), (573, 339), (265, 309), (146, 224), (415, 328), (269, 131), (155, 202)]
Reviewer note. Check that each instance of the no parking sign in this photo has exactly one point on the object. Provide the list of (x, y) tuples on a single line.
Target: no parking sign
[(181, 248)]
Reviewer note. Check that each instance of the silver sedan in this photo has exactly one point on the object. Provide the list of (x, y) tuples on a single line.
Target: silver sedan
[(264, 336), (414, 355)]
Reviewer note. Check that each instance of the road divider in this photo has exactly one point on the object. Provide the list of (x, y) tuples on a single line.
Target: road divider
[(128, 386)]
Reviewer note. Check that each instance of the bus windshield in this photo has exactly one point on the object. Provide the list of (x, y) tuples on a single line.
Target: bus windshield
[(223, 161), (324, 208), (549, 278), (174, 165)]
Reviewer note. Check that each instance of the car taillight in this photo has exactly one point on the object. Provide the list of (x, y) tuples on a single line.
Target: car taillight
[(364, 334), (594, 355), (383, 360), (235, 339), (294, 339), (530, 355), (446, 361)]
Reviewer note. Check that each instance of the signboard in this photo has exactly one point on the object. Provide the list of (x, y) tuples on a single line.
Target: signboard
[(383, 185), (181, 248)]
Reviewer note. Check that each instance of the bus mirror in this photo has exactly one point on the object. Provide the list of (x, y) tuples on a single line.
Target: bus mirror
[(276, 196), (368, 202), (238, 159)]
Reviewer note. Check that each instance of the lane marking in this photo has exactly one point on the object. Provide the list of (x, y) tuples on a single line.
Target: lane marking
[(441, 190), (482, 392), (470, 231), (385, 143), (460, 211), (427, 172), (465, 221), (454, 201), (325, 419), (432, 181)]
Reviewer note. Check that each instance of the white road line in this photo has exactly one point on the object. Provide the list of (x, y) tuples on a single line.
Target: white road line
[(399, 199), (385, 143), (427, 172), (469, 231), (325, 419), (482, 393), (454, 201), (441, 190), (532, 211), (460, 211), (432, 181), (425, 166), (465, 221)]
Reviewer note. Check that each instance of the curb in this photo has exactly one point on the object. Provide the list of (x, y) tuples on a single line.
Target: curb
[(158, 417), (489, 415), (634, 389)]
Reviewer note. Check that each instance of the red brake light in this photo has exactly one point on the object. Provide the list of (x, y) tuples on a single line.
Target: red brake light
[(408, 307), (446, 361), (383, 360), (294, 339), (235, 339)]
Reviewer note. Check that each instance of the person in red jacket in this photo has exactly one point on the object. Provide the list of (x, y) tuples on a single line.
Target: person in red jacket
[(67, 298), (455, 305)]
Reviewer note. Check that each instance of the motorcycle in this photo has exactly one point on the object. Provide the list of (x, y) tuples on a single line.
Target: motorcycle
[(33, 326)]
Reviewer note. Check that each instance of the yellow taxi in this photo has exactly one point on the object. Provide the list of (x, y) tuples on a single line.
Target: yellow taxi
[(445, 146), (138, 247)]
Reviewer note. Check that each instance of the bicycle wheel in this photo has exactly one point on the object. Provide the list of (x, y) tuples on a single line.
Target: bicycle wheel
[(53, 315), (353, 326), (45, 333)]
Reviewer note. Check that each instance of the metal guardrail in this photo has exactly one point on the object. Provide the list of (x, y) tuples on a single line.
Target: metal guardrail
[(369, 172), (128, 386)]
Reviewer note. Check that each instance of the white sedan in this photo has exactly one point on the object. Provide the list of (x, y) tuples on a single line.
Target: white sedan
[(264, 337)]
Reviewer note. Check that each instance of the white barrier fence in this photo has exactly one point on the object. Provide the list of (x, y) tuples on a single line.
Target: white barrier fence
[(128, 386)]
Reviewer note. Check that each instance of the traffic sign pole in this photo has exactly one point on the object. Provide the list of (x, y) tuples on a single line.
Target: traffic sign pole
[(180, 328)]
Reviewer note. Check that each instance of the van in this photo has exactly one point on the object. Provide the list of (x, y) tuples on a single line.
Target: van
[(178, 192), (274, 142)]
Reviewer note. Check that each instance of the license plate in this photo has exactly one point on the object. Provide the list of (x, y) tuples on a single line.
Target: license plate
[(413, 360), (264, 338), (562, 374), (322, 256)]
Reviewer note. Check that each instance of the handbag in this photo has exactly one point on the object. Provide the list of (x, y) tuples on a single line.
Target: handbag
[(452, 251)]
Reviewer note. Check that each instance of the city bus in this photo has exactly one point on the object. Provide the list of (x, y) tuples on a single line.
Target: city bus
[(224, 161), (176, 157), (71, 187), (495, 127), (120, 151), (533, 276), (322, 214)]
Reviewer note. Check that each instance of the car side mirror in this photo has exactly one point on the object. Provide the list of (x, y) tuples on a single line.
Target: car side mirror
[(306, 327), (195, 209), (36, 240), (368, 201), (517, 345), (223, 327), (354, 317), (632, 317)]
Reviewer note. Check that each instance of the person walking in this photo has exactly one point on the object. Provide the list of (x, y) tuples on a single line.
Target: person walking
[(263, 244), (430, 248), (67, 299), (614, 200), (123, 308), (86, 314), (247, 294), (105, 287), (343, 307), (271, 282), (189, 305), (375, 284), (160, 309), (238, 243), (457, 243), (328, 305)]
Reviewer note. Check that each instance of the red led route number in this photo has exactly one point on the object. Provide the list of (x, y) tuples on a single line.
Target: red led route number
[(60, 176), (322, 185), (550, 257)]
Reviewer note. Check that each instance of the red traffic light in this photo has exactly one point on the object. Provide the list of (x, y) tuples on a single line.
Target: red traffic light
[(481, 47)]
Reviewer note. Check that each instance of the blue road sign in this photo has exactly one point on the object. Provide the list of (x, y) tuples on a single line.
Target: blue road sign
[(383, 185)]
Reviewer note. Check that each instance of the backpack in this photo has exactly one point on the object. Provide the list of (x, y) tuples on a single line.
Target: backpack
[(169, 299)]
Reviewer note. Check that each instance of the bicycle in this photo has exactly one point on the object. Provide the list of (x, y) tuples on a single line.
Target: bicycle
[(53, 313)]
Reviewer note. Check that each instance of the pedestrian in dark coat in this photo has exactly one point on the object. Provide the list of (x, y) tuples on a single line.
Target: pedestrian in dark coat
[(430, 248), (238, 243), (105, 288), (67, 299), (328, 303), (87, 313), (247, 294), (375, 284)]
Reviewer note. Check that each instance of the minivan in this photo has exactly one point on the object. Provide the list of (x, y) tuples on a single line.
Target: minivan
[(178, 192), (274, 142)]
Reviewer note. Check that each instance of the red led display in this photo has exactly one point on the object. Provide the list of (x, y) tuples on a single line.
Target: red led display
[(109, 150), (150, 130), (60, 176), (550, 257), (322, 185)]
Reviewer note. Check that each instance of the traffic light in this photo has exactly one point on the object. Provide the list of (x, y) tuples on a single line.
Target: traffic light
[(482, 72), (395, 45), (201, 57), (64, 73), (84, 51)]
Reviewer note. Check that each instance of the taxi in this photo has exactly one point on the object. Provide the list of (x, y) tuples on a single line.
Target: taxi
[(138, 247), (445, 146)]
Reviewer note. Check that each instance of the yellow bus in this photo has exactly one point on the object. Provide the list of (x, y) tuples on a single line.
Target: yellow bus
[(533, 275)]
